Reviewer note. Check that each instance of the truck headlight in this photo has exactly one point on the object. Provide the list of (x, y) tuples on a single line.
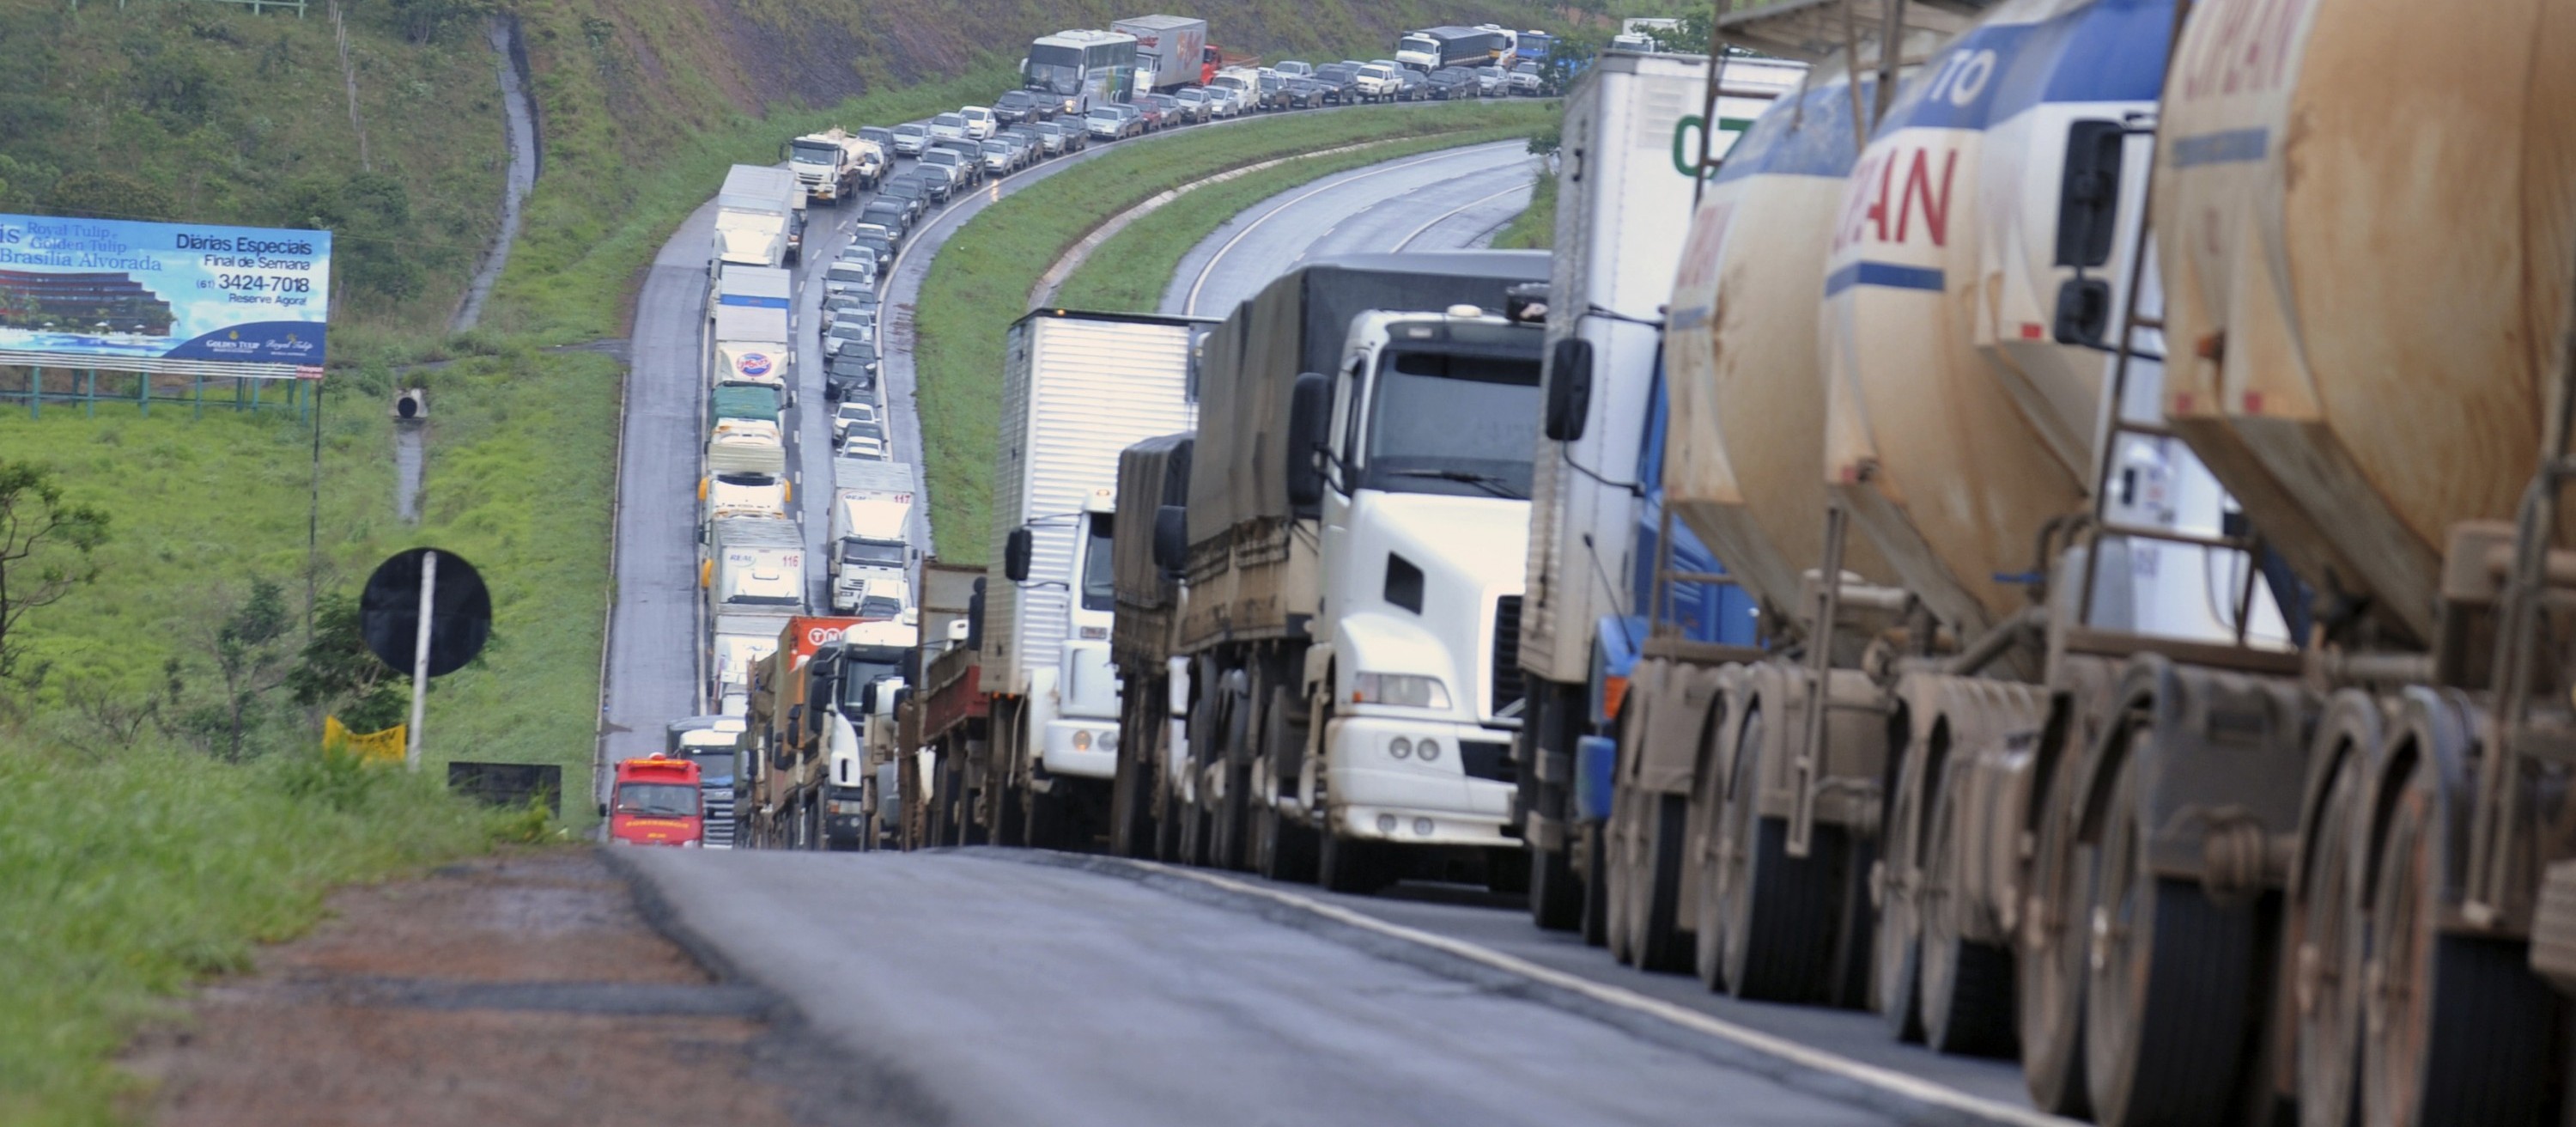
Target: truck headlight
[(1411, 690), (1081, 739)]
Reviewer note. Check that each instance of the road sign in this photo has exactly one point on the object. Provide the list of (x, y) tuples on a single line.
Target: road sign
[(460, 621)]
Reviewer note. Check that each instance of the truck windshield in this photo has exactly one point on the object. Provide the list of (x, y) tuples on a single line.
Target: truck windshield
[(658, 800), (880, 606), (883, 554), (1099, 578), (714, 765), (1454, 423), (816, 152), (1423, 43), (864, 665)]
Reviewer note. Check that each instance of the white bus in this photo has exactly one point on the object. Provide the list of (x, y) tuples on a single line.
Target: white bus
[(1081, 69)]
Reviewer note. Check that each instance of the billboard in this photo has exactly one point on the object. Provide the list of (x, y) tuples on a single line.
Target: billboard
[(207, 298)]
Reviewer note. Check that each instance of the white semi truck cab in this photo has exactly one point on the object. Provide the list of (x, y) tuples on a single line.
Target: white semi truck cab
[(1078, 714), (1424, 484)]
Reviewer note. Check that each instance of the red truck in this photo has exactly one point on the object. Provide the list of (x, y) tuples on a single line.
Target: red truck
[(657, 803)]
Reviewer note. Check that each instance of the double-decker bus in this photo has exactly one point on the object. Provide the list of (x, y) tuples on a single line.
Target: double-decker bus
[(1081, 68)]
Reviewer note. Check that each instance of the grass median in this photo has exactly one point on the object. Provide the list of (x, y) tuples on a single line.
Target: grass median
[(981, 280)]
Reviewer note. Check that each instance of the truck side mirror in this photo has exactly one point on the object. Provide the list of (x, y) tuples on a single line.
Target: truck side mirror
[(1569, 389), (1172, 539), (1016, 553), (2083, 311), (975, 617), (868, 699), (1310, 410)]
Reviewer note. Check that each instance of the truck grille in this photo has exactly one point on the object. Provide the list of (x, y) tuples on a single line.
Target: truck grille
[(719, 815), (1485, 759), (1505, 689)]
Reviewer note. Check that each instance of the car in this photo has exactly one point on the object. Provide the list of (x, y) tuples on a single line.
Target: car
[(843, 306), (861, 446), (941, 180), (1417, 85), (872, 428), (948, 126), (877, 241), (1241, 88), (1376, 83), (1341, 83), (881, 136), (1492, 82), (1294, 69), (1016, 106), (1152, 112), (1000, 159), (845, 333), (962, 165), (1177, 112), (850, 274), (1111, 123), (1525, 80), (1200, 104), (912, 191), (1075, 136), (1051, 140), (1307, 93), (910, 137), (1029, 137), (851, 412), (851, 374), (980, 122), (1448, 83), (889, 214)]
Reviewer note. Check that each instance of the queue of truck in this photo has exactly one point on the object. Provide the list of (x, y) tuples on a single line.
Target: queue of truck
[(2024, 563)]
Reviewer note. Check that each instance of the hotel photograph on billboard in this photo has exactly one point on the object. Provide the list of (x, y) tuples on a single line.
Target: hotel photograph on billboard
[(181, 298)]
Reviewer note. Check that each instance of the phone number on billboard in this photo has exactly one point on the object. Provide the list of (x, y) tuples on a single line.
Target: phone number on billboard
[(263, 282)]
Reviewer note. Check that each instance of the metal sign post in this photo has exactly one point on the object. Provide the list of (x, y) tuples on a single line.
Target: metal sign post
[(420, 656)]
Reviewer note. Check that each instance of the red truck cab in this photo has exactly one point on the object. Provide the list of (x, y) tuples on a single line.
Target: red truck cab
[(657, 802)]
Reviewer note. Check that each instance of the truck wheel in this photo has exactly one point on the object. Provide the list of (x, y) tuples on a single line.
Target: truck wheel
[(1167, 833), (2050, 949), (2170, 982), (1657, 942), (1781, 912), (1232, 816), (1966, 997), (2322, 928), (1897, 943), (1131, 829), (1555, 897), (1194, 820), (1596, 888), (1010, 824), (1043, 817), (1284, 849), (1617, 931), (2460, 1027), (1350, 865)]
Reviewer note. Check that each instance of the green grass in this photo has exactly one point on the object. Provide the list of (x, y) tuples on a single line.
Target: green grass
[(133, 873), (1535, 227), (981, 280), (1130, 270)]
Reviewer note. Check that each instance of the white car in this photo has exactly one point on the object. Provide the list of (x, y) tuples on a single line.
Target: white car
[(1379, 83), (980, 122), (948, 127), (851, 276), (861, 446), (845, 332)]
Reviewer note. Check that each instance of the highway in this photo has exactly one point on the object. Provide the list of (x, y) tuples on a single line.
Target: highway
[(1000, 988), (993, 986)]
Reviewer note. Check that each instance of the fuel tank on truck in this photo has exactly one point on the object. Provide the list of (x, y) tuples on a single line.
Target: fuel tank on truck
[(2364, 213), (1950, 450), (1747, 386)]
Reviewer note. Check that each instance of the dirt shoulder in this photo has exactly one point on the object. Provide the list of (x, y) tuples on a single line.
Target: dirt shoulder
[(528, 989)]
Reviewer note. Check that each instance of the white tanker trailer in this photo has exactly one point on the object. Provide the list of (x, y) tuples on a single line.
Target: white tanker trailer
[(2198, 863)]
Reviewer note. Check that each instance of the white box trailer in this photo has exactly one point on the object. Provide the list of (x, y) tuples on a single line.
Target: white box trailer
[(1077, 388), (748, 310), (871, 526), (757, 212), (754, 565), (1170, 50)]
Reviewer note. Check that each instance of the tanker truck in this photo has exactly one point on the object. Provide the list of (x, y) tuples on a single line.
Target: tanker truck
[(1620, 194), (1352, 542)]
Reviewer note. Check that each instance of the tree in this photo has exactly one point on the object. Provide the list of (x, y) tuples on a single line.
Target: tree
[(250, 663), (46, 547), (109, 195), (338, 672)]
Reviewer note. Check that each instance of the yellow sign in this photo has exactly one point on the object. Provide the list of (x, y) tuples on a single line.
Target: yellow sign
[(374, 747)]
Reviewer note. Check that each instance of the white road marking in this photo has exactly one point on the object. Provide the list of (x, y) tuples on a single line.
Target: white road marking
[(1453, 213)]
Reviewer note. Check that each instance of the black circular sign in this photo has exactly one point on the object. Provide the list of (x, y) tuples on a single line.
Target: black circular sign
[(460, 617)]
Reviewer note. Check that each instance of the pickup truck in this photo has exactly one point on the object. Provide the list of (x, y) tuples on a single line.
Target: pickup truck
[(1379, 84)]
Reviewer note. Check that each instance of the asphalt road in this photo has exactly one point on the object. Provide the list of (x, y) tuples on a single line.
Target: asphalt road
[(1446, 200), (1006, 991)]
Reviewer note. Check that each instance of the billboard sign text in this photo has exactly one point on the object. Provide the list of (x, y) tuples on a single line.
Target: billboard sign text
[(118, 294)]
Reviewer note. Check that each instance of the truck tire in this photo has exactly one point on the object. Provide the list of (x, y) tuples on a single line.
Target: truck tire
[(1618, 931), (2323, 959), (1657, 941), (2167, 999), (2460, 1026), (1965, 988), (1781, 912), (1596, 888), (1897, 941), (1046, 818), (2050, 950), (1131, 795), (1555, 897)]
